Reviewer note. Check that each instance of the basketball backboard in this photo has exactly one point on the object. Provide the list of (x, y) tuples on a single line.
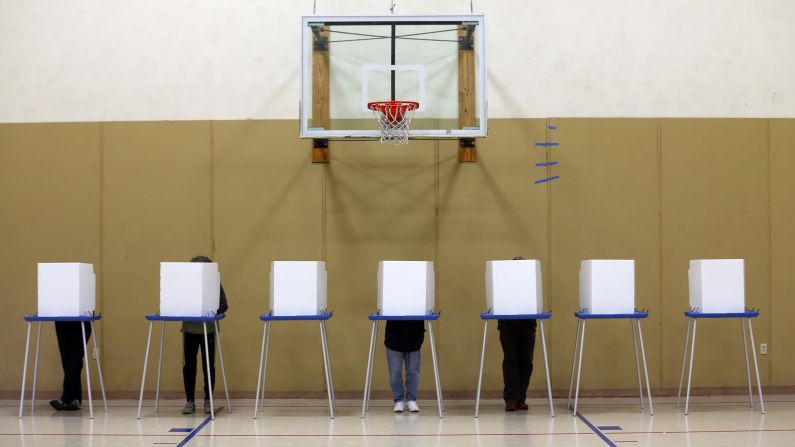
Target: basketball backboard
[(348, 61)]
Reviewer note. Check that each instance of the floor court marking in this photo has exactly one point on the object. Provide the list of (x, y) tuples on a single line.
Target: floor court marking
[(596, 430), (194, 432)]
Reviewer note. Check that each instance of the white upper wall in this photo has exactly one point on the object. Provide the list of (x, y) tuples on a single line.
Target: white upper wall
[(114, 60)]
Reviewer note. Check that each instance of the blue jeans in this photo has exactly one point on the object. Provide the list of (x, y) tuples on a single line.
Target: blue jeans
[(395, 361)]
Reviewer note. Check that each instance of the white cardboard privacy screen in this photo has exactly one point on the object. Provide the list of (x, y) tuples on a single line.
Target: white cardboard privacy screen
[(717, 285), (189, 289), (514, 287), (66, 289), (607, 286), (298, 287), (405, 287)]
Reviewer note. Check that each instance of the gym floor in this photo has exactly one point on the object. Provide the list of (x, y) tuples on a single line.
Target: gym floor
[(721, 421)]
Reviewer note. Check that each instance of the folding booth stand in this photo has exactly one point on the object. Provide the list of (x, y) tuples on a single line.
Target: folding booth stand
[(368, 382), (540, 317), (268, 319), (204, 320), (90, 318), (579, 343), (692, 320)]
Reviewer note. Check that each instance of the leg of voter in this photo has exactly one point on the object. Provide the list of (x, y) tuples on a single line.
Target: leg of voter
[(439, 401), (328, 361), (546, 368), (756, 366), (637, 361), (574, 361), (99, 368), (326, 369), (645, 369), (208, 377), (88, 373), (367, 374), (579, 368), (259, 373), (223, 371), (35, 368), (747, 365), (24, 372), (159, 366), (265, 366), (143, 378), (480, 371), (690, 371), (684, 362)]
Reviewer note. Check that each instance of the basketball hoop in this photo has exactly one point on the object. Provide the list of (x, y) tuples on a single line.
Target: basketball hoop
[(394, 118)]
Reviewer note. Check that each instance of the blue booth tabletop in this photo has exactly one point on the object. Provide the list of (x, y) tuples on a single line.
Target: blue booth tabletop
[(321, 316), (746, 314), (428, 317), (587, 316), (80, 318), (207, 319), (491, 316)]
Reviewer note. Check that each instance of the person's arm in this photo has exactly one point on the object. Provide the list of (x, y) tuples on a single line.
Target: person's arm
[(222, 305)]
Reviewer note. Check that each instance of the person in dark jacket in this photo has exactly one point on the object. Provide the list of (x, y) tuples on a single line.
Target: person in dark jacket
[(193, 340), (403, 340), (70, 345), (518, 338)]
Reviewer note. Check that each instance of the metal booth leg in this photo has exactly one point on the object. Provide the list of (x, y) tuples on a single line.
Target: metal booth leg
[(756, 366), (637, 360), (265, 366), (159, 365), (684, 362), (326, 369), (480, 371), (747, 365), (546, 368), (690, 370), (259, 373), (645, 369), (99, 368), (328, 360), (439, 400), (24, 372), (223, 371), (88, 373), (368, 375), (579, 369), (209, 374), (574, 361), (143, 377), (35, 368)]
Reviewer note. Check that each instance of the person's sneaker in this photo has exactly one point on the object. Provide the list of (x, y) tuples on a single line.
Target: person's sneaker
[(413, 407), (74, 405), (58, 404), (189, 408), (511, 406), (207, 406), (398, 407), (522, 406)]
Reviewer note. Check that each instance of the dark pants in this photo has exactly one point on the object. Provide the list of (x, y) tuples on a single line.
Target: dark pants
[(517, 363), (70, 344), (191, 345)]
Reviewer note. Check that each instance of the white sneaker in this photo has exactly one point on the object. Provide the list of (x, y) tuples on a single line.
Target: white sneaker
[(413, 407), (399, 407)]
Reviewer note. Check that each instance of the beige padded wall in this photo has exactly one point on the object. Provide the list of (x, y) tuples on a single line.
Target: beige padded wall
[(126, 196), (49, 212)]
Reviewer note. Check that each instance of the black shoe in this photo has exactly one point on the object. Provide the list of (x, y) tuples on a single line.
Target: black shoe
[(58, 404), (73, 405)]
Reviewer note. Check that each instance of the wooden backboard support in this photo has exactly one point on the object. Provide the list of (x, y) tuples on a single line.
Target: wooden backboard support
[(320, 91), (466, 91)]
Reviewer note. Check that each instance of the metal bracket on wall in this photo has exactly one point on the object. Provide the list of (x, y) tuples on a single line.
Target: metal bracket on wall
[(319, 41), (466, 42), (467, 152), (320, 151)]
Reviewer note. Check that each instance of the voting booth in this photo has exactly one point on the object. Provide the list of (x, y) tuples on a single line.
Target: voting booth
[(607, 286), (514, 287), (66, 289), (405, 287), (297, 287), (189, 289), (717, 285)]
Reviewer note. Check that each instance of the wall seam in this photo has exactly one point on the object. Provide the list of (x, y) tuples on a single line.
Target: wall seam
[(660, 354), (101, 232), (212, 189), (770, 249)]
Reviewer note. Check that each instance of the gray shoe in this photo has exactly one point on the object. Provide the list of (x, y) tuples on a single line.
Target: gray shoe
[(207, 406), (190, 408)]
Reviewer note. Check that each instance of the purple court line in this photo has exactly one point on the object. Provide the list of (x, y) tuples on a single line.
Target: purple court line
[(194, 432), (596, 430), (180, 430)]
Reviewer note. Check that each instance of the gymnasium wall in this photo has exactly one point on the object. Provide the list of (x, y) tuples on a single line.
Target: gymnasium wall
[(125, 196)]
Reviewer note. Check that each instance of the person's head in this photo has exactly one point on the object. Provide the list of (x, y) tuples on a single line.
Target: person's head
[(518, 258), (201, 259)]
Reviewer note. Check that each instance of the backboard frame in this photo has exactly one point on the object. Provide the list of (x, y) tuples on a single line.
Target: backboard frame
[(305, 104)]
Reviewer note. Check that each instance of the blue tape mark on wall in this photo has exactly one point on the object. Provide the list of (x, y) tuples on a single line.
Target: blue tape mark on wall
[(547, 163), (180, 430), (545, 144), (552, 127), (548, 179)]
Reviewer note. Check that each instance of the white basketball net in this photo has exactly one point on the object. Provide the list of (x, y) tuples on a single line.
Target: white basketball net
[(394, 122)]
